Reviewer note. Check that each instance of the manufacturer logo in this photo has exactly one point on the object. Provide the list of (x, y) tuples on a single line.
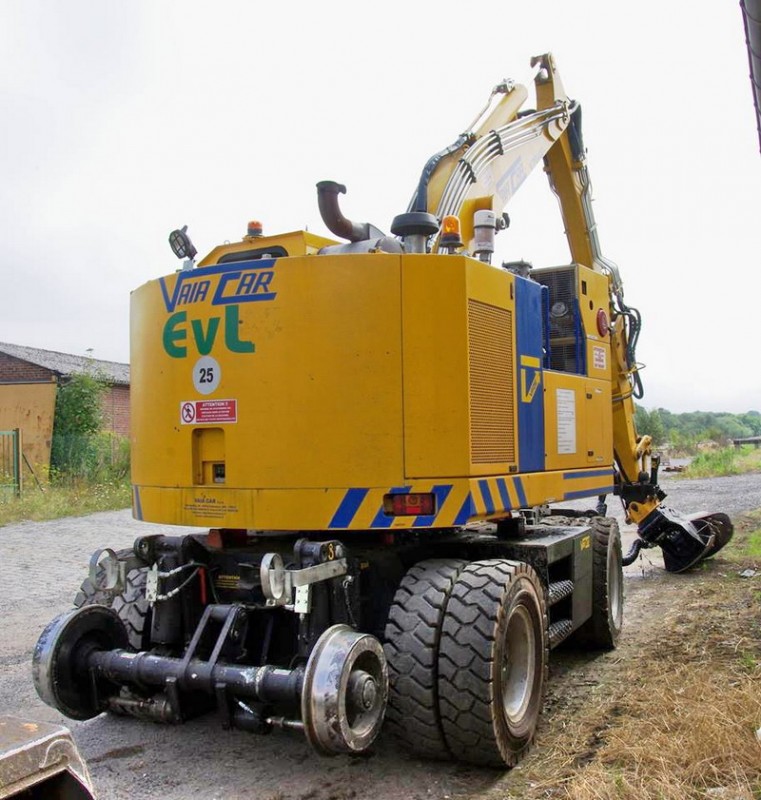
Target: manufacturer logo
[(531, 377), (222, 284)]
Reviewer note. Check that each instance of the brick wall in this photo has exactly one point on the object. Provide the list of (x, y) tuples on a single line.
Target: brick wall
[(116, 410), (115, 401), (14, 370)]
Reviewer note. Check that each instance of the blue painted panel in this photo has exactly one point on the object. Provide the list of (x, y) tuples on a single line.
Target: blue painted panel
[(530, 388)]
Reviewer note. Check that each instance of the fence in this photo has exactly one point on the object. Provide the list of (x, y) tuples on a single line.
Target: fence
[(10, 463)]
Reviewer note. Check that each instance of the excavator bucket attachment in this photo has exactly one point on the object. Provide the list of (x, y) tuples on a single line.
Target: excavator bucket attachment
[(685, 541), (719, 524)]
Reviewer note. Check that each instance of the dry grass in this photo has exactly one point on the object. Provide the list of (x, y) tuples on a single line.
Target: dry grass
[(64, 501), (674, 711), (682, 731)]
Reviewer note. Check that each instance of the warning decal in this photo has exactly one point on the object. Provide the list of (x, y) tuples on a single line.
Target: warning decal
[(598, 358), (200, 412), (566, 420)]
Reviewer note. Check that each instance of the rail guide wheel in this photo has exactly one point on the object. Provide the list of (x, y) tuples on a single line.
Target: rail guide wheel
[(59, 663), (345, 691)]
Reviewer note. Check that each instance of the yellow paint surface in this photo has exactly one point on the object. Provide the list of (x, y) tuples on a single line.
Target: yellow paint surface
[(30, 407)]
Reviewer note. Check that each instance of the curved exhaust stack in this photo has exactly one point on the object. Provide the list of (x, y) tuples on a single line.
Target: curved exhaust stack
[(327, 200)]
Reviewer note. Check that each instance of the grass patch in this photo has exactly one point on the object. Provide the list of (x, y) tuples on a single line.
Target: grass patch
[(677, 706), (746, 543), (64, 501), (727, 461)]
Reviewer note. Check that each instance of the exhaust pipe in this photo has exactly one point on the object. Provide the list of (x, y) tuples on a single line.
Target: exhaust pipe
[(327, 200)]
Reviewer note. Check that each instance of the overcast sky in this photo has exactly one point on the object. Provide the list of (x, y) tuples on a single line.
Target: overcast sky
[(124, 120)]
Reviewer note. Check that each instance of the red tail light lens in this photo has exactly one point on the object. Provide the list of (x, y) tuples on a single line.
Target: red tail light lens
[(409, 505)]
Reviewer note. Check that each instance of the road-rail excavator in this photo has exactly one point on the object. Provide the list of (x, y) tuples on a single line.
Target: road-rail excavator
[(377, 434)]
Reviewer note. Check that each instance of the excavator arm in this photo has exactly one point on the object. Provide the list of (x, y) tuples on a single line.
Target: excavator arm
[(473, 180)]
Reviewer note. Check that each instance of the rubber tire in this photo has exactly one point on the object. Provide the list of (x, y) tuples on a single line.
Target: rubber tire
[(130, 604), (472, 653), (602, 630), (411, 645), (89, 594)]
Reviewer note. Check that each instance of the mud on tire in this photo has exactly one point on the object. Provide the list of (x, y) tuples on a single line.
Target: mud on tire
[(493, 662), (411, 646)]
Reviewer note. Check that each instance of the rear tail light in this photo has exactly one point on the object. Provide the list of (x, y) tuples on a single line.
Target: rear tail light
[(409, 505)]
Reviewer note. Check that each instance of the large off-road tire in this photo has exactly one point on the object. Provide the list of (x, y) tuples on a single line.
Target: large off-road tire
[(89, 594), (411, 645), (493, 662), (602, 630), (130, 604)]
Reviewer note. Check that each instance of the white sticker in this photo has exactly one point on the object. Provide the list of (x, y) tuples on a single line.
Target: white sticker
[(566, 414), (598, 358), (206, 375)]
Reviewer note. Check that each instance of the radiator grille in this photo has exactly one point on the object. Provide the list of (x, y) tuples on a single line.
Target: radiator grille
[(490, 342), (566, 339)]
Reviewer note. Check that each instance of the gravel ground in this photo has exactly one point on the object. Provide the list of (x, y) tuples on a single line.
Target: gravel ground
[(43, 564)]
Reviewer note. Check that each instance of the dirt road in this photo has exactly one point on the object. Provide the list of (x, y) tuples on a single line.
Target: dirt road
[(42, 565)]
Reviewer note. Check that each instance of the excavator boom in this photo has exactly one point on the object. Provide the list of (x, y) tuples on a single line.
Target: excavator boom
[(480, 173)]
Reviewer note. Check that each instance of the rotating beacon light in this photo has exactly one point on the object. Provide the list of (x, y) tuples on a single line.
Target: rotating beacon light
[(450, 238)]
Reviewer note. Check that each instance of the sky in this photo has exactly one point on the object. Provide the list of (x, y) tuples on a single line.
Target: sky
[(125, 120)]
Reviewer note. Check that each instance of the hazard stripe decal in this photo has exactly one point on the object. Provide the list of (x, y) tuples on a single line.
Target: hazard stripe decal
[(349, 506), (486, 494), (466, 512), (518, 483), (504, 494), (590, 473), (441, 492)]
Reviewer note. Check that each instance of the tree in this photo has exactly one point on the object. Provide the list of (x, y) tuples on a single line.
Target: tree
[(651, 424), (78, 420)]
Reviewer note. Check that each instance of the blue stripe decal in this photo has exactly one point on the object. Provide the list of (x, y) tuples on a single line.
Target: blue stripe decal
[(588, 493), (384, 520), (348, 508), (529, 391), (518, 483), (486, 494), (136, 504), (466, 512), (441, 493), (590, 473), (504, 495)]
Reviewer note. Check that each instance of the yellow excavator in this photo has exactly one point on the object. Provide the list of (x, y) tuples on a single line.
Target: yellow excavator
[(379, 434)]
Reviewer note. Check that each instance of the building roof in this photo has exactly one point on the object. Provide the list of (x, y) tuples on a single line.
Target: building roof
[(65, 364)]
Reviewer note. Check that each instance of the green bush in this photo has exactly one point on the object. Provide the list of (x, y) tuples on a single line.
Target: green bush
[(81, 450), (726, 461)]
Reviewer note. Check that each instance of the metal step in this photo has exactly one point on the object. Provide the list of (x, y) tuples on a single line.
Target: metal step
[(558, 590), (560, 630)]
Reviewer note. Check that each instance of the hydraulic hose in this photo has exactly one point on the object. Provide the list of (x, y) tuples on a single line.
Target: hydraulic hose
[(631, 556), (420, 200)]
